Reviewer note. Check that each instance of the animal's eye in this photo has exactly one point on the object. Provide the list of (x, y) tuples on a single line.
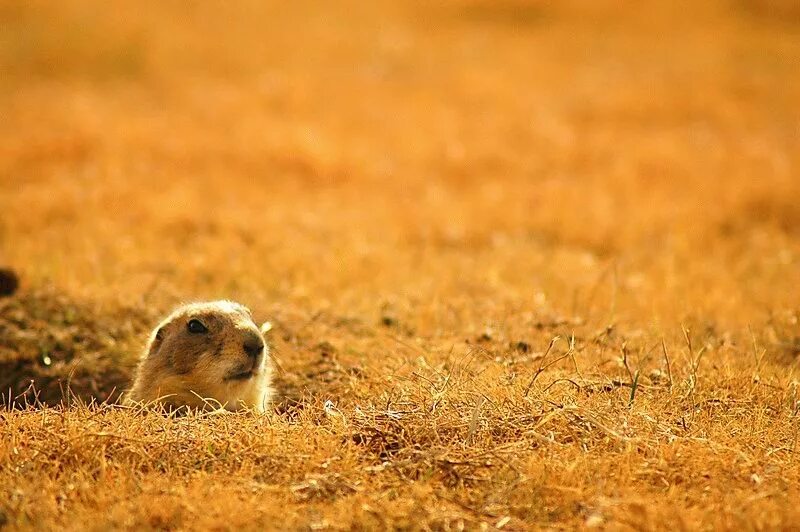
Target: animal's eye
[(196, 327)]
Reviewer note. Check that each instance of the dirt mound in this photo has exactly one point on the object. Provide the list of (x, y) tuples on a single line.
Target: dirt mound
[(54, 349), (50, 344)]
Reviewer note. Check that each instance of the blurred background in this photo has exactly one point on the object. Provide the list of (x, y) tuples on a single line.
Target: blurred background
[(459, 161)]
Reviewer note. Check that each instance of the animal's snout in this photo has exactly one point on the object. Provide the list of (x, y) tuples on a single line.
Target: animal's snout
[(253, 345)]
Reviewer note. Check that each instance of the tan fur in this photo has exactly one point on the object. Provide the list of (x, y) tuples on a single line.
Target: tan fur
[(199, 370)]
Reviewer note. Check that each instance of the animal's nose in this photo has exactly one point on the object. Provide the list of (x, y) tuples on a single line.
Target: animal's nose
[(253, 346)]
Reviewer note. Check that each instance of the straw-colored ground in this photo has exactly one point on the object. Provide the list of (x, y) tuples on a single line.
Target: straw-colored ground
[(530, 264)]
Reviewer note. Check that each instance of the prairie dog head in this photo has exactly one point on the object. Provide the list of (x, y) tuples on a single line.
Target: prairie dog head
[(206, 351)]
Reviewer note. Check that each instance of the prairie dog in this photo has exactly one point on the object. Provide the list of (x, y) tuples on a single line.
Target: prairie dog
[(209, 356)]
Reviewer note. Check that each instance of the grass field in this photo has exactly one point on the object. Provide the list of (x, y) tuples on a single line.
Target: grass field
[(529, 264)]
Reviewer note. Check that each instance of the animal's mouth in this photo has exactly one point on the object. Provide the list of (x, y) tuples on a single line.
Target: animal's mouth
[(240, 376)]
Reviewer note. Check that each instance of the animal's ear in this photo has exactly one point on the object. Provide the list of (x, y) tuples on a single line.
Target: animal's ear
[(265, 328), (155, 342)]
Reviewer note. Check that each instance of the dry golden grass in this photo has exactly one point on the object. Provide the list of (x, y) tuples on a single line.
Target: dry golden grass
[(530, 264)]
